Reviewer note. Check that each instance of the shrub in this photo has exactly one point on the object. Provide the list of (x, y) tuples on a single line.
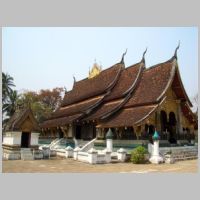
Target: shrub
[(138, 155)]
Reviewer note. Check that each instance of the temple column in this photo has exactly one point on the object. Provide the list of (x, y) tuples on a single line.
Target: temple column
[(64, 130), (138, 132), (120, 133), (157, 121), (179, 125), (54, 133), (70, 131), (51, 130), (99, 132), (142, 131)]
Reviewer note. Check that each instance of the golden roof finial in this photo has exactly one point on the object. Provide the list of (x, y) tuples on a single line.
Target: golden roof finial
[(96, 69)]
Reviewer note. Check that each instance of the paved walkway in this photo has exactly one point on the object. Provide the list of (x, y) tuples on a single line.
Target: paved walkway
[(59, 165)]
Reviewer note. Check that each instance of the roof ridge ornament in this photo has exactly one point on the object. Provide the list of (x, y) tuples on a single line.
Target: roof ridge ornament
[(122, 60), (143, 56), (74, 78), (65, 89), (175, 52)]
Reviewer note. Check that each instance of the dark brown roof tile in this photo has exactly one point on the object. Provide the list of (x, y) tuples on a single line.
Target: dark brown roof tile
[(126, 79), (128, 117), (59, 121), (79, 107), (87, 88), (153, 82)]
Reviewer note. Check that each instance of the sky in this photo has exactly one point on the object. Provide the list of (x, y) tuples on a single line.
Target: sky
[(45, 58)]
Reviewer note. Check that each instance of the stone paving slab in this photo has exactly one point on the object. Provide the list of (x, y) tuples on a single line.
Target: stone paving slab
[(59, 165)]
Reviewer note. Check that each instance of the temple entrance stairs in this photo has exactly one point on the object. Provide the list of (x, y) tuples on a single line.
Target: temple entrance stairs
[(87, 145), (54, 143), (26, 154), (83, 143)]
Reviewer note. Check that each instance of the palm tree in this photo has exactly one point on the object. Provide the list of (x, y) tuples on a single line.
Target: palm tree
[(7, 83), (10, 106)]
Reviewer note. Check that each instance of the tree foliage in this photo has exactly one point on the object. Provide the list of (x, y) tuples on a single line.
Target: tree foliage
[(52, 98), (42, 103), (10, 105), (7, 84), (9, 96)]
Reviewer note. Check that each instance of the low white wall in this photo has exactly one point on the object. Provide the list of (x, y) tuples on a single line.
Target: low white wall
[(83, 156), (14, 138), (60, 152), (94, 157), (12, 155), (101, 158), (177, 149)]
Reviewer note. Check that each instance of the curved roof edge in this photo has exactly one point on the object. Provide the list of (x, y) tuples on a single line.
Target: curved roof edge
[(151, 112), (172, 74), (127, 94), (182, 86), (107, 92)]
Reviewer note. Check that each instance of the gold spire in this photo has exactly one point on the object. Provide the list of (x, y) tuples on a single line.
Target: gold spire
[(96, 70)]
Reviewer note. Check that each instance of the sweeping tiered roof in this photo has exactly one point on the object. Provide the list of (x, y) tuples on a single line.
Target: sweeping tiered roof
[(120, 96), (85, 96), (150, 93)]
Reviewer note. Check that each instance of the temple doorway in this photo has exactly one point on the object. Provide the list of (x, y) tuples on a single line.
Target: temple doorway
[(25, 140), (172, 128), (61, 134), (163, 121), (85, 131), (78, 132), (88, 131), (128, 133)]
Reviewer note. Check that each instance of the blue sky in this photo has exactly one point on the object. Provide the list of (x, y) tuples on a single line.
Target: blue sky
[(44, 58)]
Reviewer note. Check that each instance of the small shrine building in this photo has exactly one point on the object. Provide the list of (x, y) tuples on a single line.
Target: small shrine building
[(21, 132)]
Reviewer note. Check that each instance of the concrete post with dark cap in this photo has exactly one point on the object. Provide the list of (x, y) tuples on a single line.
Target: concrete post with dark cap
[(155, 157), (109, 140)]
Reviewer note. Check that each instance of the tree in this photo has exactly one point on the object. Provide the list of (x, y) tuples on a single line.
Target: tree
[(42, 103), (9, 97), (52, 99), (10, 105), (27, 98), (7, 83)]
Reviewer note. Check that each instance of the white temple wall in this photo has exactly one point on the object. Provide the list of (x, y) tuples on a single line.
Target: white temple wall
[(12, 138), (34, 138)]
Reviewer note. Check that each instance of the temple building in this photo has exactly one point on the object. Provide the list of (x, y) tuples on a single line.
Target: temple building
[(133, 101), (21, 135)]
